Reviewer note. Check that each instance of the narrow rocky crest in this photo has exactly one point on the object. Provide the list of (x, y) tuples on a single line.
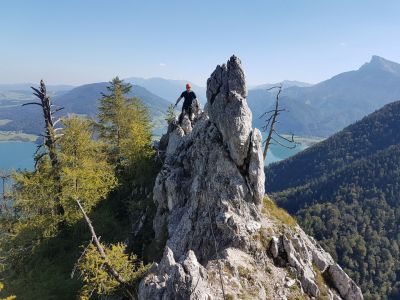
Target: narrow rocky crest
[(209, 195)]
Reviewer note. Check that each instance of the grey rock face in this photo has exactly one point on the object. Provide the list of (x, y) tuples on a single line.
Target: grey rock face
[(302, 253), (200, 188), (208, 197), (342, 282), (228, 110), (185, 279)]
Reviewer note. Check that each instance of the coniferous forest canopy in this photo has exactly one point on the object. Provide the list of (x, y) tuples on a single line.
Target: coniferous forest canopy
[(347, 197), (102, 168)]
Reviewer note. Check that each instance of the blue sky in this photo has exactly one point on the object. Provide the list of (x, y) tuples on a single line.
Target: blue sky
[(82, 41)]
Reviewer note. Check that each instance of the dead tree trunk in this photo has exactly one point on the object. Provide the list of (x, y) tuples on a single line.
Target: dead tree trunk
[(50, 135), (271, 120)]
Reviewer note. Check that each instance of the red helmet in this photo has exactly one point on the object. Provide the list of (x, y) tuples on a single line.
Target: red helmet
[(188, 86)]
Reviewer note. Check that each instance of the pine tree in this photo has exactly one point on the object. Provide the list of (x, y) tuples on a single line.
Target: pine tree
[(125, 127), (113, 118), (170, 115)]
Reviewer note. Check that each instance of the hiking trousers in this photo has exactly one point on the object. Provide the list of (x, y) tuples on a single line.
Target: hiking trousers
[(186, 110)]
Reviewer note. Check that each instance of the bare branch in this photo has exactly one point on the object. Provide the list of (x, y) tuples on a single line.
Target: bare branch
[(275, 87), (280, 144), (31, 103), (282, 137), (57, 110), (37, 91), (272, 121), (267, 112), (57, 121)]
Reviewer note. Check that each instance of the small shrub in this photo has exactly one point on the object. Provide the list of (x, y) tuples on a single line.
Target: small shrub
[(95, 276), (244, 272), (229, 297)]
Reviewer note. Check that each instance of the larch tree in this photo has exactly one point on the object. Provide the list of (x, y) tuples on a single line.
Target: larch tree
[(86, 174)]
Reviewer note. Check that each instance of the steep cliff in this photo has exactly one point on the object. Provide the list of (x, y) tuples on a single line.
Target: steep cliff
[(221, 238)]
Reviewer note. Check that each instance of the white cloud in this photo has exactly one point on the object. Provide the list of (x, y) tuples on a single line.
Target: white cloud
[(343, 44), (163, 64)]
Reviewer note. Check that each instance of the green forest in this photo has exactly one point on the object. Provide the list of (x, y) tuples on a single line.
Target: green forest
[(80, 224), (348, 199)]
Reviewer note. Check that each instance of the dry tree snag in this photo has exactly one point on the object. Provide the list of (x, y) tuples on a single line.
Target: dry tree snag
[(271, 118), (108, 267), (49, 110), (50, 136)]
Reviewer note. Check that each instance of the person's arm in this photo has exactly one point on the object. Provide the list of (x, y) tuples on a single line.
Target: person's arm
[(179, 99)]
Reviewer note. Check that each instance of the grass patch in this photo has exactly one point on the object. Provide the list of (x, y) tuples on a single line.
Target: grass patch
[(244, 272), (6, 136), (297, 293), (4, 122), (322, 286), (272, 210)]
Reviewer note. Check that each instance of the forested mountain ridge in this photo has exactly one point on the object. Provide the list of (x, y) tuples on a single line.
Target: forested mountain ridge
[(374, 132), (345, 191), (331, 105), (80, 100)]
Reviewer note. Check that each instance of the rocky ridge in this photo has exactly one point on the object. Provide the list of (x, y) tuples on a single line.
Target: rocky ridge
[(221, 241)]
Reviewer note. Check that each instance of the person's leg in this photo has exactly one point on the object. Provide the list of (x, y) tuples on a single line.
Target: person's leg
[(182, 115), (190, 112)]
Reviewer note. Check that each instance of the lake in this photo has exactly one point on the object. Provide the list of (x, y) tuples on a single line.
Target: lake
[(19, 155), (278, 153), (16, 155)]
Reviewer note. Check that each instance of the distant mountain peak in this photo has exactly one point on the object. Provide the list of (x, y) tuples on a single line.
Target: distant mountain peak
[(380, 63), (285, 84)]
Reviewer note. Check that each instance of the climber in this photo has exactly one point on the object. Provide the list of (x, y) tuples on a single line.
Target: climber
[(187, 107)]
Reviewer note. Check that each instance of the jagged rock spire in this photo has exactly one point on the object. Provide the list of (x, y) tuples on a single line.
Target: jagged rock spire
[(227, 108), (214, 236)]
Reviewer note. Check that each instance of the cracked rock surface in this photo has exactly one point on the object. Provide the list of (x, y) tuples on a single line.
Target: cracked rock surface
[(217, 239)]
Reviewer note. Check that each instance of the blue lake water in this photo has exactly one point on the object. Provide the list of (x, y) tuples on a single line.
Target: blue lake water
[(14, 156), (278, 153), (19, 155)]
